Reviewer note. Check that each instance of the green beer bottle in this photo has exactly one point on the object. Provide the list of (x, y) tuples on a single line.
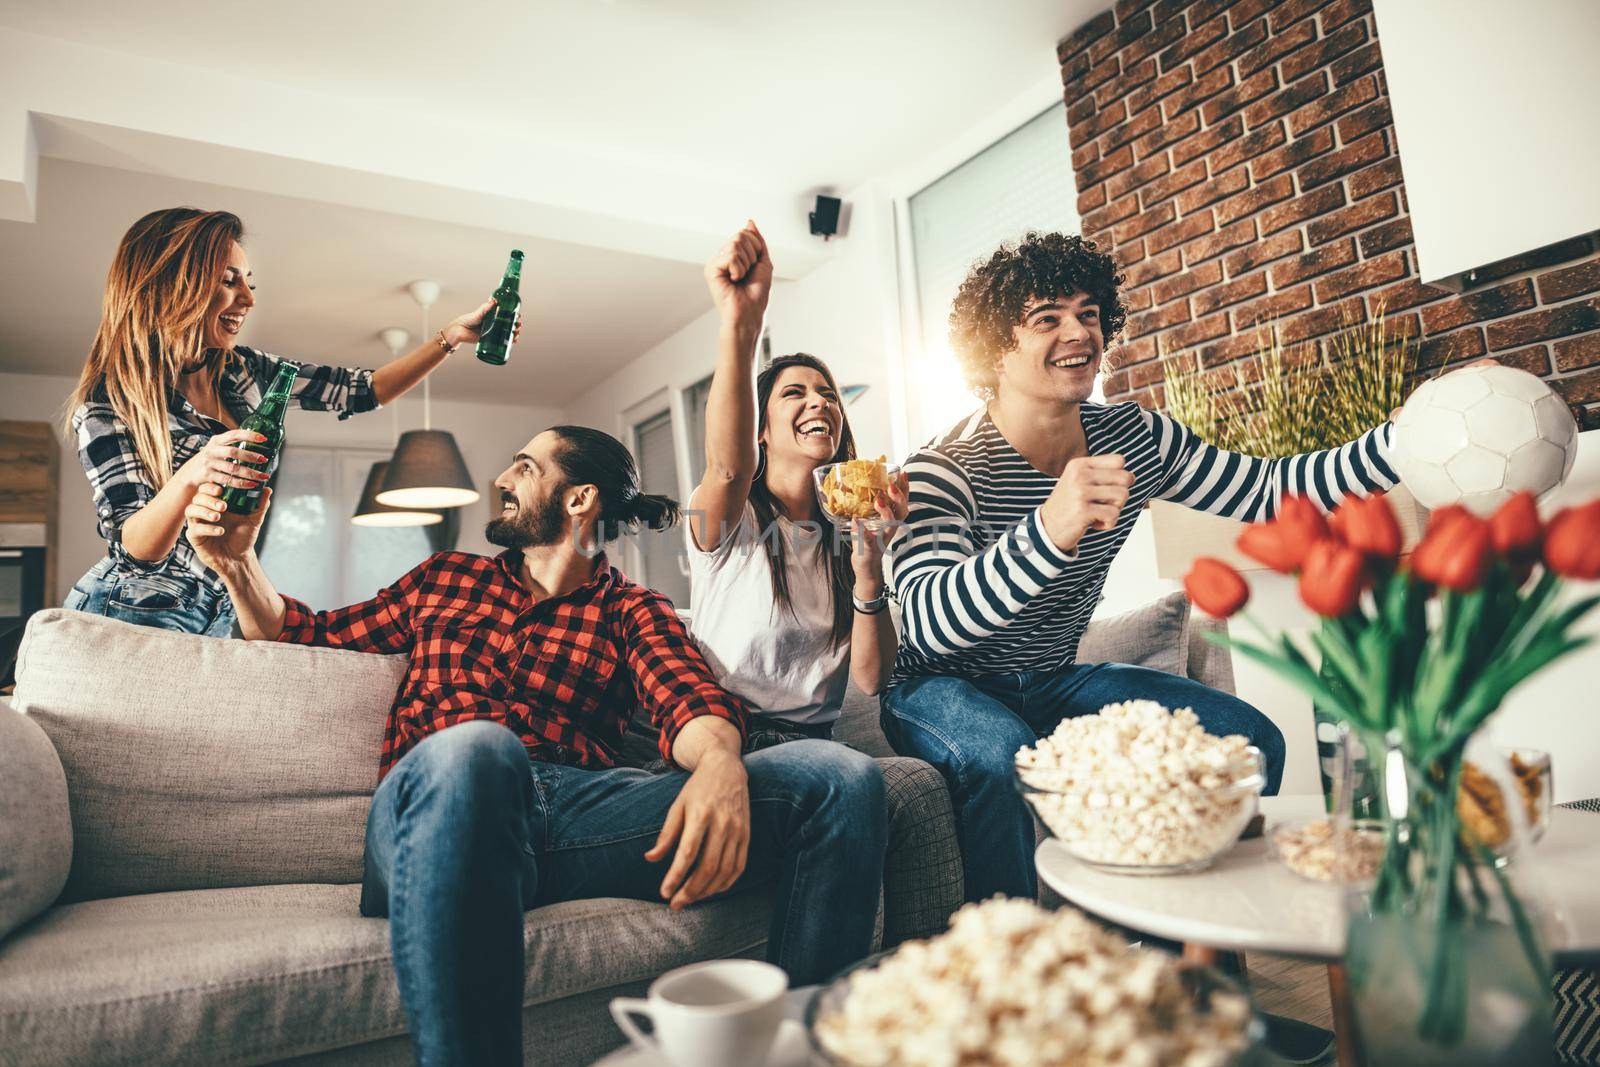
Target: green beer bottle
[(266, 420), (500, 322)]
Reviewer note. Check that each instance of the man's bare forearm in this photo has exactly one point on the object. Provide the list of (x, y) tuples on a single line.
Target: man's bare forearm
[(705, 738), (255, 601)]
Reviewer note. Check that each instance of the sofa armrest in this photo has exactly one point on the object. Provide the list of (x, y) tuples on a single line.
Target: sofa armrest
[(1209, 663), (922, 879), (35, 821)]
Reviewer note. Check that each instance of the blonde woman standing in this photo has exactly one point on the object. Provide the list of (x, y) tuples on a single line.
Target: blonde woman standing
[(158, 405)]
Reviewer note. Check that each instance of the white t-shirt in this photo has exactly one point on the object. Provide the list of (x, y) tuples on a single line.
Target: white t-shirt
[(780, 661)]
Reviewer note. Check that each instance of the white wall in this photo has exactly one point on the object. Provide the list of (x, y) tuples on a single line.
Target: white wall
[(1554, 711), (488, 435), (841, 312), (846, 311), (1494, 119)]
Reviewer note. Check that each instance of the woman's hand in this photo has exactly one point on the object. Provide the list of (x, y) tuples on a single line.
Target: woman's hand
[(222, 462), (866, 547), (739, 276), (465, 329)]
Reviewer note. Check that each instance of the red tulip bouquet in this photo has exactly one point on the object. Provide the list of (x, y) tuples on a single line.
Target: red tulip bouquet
[(1415, 654)]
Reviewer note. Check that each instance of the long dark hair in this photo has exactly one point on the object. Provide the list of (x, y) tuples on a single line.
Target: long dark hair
[(588, 456), (765, 505)]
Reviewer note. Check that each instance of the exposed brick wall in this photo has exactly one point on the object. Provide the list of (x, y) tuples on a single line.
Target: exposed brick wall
[(1239, 159)]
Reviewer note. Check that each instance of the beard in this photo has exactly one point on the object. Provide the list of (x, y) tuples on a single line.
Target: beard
[(544, 525)]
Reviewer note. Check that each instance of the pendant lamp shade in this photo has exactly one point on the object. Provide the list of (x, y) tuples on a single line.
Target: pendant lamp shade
[(371, 513), (427, 471)]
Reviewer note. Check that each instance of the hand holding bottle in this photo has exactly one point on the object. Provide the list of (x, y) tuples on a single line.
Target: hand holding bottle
[(223, 462), (222, 539), (466, 329)]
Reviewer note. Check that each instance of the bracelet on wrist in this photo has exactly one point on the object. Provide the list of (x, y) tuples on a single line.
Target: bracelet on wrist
[(449, 348), (870, 607)]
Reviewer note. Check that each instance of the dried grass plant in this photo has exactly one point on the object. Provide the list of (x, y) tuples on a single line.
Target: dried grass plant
[(1283, 400)]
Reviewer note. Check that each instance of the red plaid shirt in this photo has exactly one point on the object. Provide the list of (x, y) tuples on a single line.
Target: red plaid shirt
[(566, 673)]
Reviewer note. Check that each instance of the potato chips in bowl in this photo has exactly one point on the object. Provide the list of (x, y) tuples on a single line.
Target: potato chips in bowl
[(849, 490)]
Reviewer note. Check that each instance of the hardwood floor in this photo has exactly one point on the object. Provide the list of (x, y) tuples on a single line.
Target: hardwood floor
[(1289, 987)]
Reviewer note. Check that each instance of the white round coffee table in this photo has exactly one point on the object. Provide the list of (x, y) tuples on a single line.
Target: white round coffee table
[(1247, 902)]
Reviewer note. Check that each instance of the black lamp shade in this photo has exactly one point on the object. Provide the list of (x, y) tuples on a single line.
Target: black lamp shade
[(427, 471), (371, 513)]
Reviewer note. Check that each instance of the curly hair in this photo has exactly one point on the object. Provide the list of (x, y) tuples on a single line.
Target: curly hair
[(1040, 266)]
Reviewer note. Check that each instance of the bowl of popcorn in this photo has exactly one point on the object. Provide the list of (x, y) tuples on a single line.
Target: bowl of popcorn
[(1013, 985), (1139, 789), (849, 491)]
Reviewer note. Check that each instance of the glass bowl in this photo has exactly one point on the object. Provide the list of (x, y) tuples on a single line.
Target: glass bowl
[(874, 522), (1180, 831), (1311, 849), (1203, 984), (1505, 797)]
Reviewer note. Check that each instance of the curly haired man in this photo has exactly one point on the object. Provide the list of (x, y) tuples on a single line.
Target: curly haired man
[(1015, 517)]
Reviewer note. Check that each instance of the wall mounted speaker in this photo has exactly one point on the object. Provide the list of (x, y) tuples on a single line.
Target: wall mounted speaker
[(825, 217)]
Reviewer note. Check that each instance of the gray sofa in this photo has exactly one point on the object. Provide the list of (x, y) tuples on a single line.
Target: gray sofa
[(181, 823)]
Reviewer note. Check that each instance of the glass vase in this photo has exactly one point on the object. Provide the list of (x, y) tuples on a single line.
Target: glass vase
[(1445, 959)]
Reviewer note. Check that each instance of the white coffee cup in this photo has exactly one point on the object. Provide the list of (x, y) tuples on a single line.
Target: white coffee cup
[(720, 1013)]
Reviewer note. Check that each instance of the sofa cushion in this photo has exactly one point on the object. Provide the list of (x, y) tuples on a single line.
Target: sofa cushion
[(199, 763), (259, 974), (1154, 635), (35, 824)]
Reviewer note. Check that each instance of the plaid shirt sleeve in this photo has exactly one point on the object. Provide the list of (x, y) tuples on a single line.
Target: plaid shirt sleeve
[(382, 624), (670, 677), (117, 479), (347, 390)]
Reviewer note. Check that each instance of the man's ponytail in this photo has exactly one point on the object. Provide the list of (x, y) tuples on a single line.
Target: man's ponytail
[(652, 510), (588, 456)]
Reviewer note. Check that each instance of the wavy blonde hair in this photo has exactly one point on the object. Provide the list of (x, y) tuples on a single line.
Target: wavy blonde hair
[(153, 322)]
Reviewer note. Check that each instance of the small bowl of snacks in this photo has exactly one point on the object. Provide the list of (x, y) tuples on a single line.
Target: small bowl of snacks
[(849, 491), (1012, 983), (1139, 789), (1320, 851), (1487, 778)]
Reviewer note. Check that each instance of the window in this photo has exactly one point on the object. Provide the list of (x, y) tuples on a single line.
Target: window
[(661, 551), (1022, 182), (694, 412), (312, 550)]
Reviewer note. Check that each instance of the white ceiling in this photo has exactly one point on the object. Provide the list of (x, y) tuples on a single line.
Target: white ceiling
[(827, 92), (781, 98)]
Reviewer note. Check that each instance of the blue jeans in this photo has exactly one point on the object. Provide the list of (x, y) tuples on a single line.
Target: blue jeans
[(466, 833), (971, 729), (172, 599)]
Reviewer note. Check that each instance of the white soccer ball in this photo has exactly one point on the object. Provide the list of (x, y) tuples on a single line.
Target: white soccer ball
[(1479, 435)]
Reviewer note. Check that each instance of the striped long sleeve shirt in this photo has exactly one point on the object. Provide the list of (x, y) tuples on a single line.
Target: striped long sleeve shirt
[(983, 590)]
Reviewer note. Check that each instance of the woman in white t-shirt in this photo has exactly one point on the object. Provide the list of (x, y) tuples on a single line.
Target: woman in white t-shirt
[(785, 610)]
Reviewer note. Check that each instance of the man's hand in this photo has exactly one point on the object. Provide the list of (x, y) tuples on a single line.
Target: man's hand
[(1089, 495), (710, 822), (739, 277), (220, 539)]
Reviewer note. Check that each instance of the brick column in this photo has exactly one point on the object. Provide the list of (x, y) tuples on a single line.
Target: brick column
[(1239, 159)]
